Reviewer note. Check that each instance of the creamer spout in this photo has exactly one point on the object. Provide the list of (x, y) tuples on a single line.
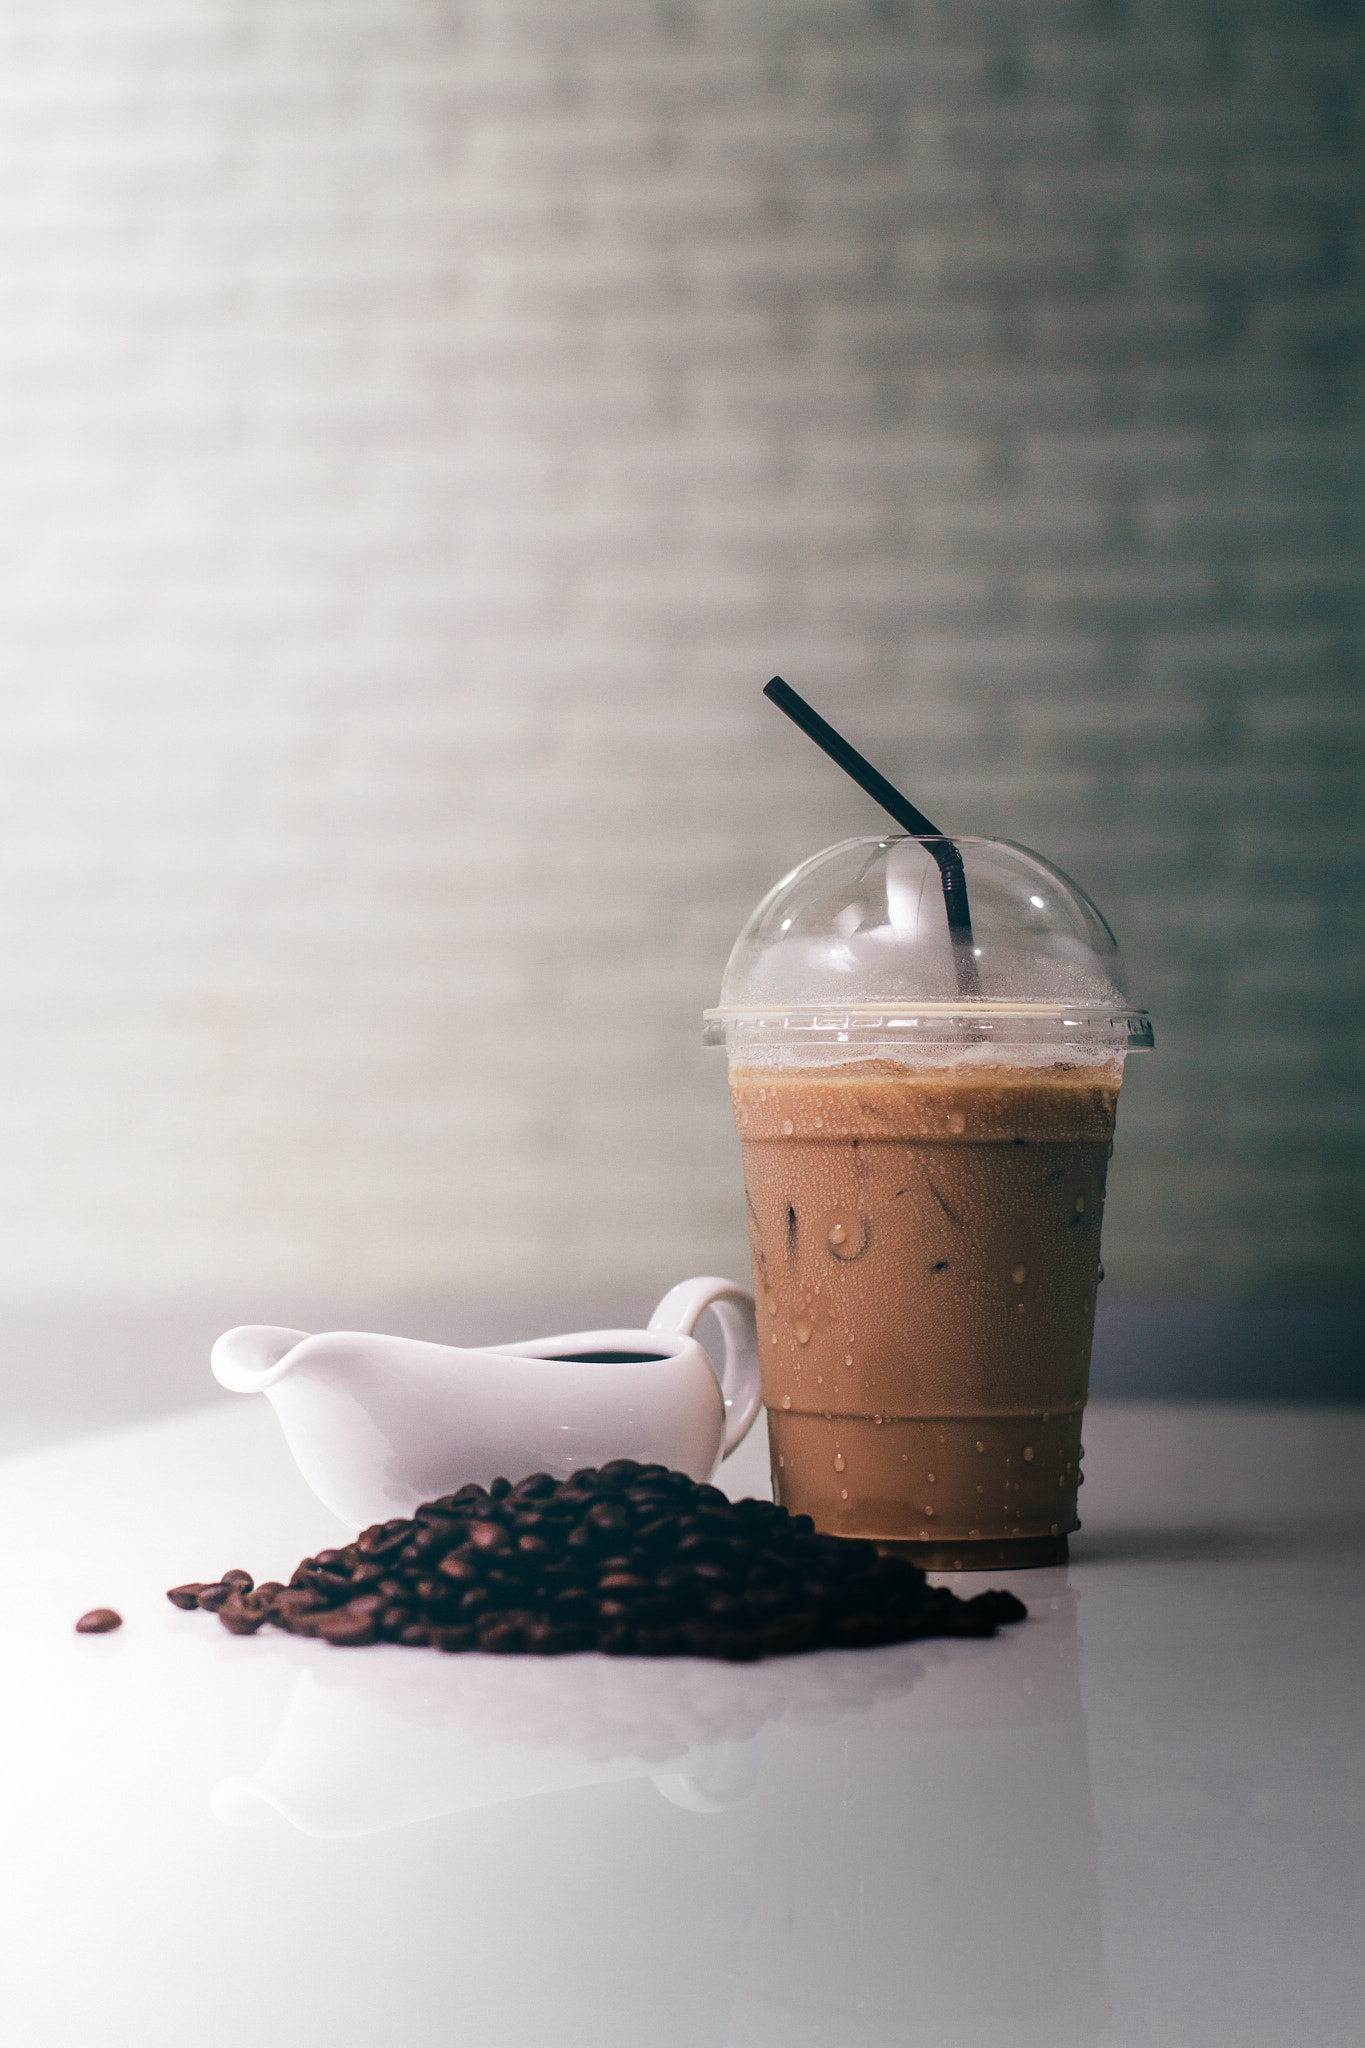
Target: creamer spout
[(253, 1357)]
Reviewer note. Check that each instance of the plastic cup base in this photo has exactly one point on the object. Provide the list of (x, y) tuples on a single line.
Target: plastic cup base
[(994, 1554)]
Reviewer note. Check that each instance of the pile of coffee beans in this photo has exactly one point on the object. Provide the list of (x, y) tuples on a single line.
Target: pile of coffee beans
[(630, 1559)]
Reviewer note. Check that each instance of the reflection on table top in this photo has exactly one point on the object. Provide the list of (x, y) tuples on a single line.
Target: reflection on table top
[(1133, 1820)]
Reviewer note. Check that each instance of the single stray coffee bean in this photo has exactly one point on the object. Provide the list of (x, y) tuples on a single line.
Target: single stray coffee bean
[(629, 1559), (98, 1622)]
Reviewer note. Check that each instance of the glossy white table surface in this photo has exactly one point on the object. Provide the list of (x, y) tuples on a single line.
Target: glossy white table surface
[(1136, 1819)]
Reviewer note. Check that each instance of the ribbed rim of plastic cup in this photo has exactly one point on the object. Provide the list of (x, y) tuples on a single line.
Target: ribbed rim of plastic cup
[(880, 1024)]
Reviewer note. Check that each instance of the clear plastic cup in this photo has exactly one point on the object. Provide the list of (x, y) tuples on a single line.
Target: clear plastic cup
[(926, 1128)]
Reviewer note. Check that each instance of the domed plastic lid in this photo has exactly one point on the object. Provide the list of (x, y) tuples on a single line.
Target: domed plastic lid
[(853, 948)]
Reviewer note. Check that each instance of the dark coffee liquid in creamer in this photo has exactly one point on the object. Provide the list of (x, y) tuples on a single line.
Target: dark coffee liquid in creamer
[(926, 1250)]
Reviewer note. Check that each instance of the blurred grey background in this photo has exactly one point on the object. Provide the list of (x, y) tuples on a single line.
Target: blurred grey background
[(426, 425)]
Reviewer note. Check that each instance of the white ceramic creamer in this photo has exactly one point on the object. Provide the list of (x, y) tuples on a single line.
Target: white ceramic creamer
[(380, 1424)]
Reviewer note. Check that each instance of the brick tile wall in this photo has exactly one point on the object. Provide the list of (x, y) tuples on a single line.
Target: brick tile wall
[(426, 425)]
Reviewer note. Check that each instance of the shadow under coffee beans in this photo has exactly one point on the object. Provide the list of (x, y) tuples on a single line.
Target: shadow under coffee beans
[(630, 1559)]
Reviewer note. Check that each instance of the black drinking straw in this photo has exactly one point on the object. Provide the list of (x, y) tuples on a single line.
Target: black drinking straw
[(909, 819)]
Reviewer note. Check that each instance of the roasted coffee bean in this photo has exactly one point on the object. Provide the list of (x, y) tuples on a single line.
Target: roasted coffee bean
[(657, 1642), (1000, 1606), (346, 1629), (99, 1621), (571, 1600), (447, 1639), (536, 1486), (298, 1600), (241, 1615), (968, 1620), (719, 1571), (736, 1646), (459, 1568), (671, 1575), (630, 1560), (616, 1640)]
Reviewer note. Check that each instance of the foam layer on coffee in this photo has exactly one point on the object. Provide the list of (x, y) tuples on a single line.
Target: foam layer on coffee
[(926, 1249), (980, 1101)]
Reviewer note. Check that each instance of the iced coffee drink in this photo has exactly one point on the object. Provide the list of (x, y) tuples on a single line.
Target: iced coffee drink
[(925, 1183)]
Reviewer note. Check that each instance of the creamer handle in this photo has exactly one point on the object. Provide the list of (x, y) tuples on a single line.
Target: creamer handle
[(683, 1307)]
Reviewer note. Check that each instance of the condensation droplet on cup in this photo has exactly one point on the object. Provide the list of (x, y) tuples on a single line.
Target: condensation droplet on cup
[(1019, 1274), (848, 1358), (932, 1480), (1028, 1452), (1080, 1205), (787, 1128), (843, 1493), (839, 1461), (980, 1446), (838, 1233), (927, 1509), (803, 1333), (957, 1122), (786, 1400), (1056, 1529)]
